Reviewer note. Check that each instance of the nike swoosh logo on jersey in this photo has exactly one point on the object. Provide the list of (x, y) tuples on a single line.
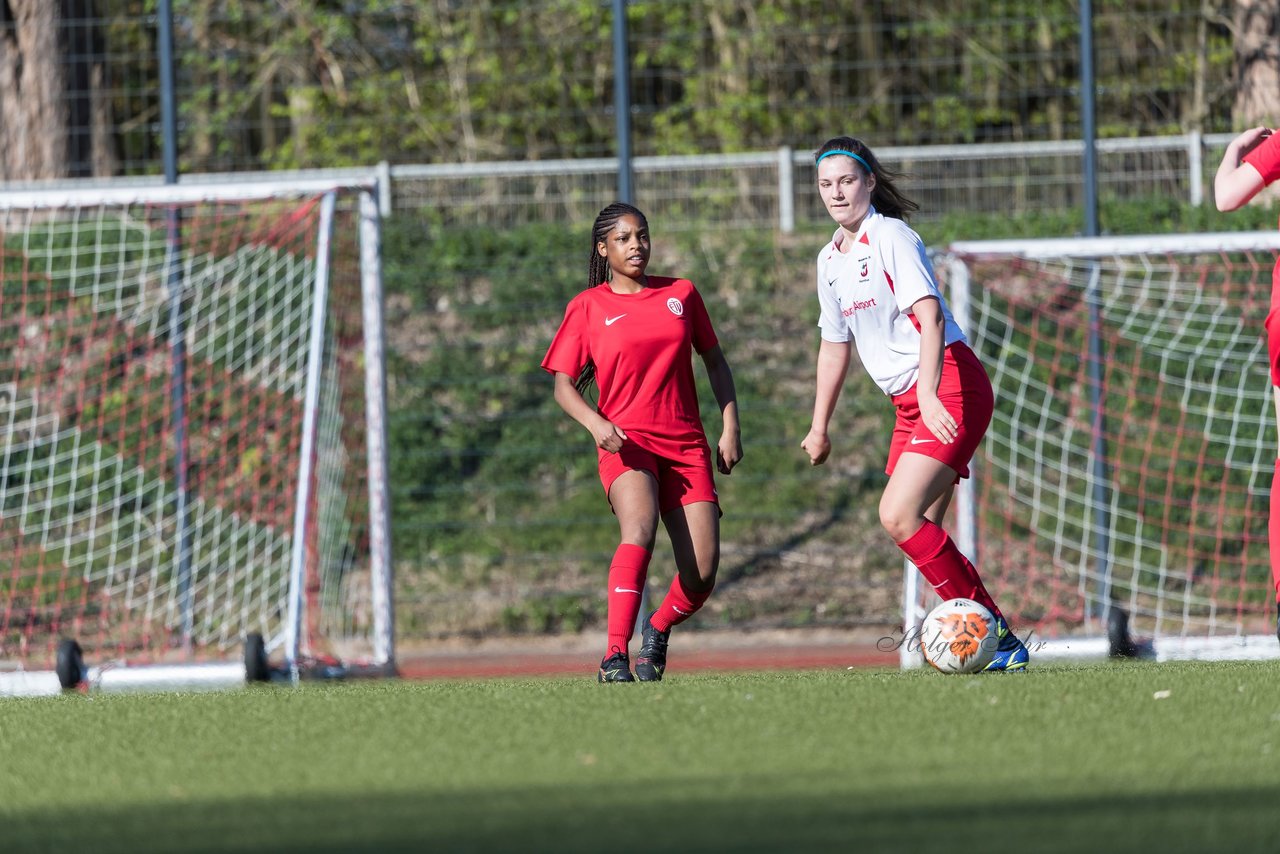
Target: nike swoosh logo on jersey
[(915, 440), (832, 283), (625, 590), (609, 321)]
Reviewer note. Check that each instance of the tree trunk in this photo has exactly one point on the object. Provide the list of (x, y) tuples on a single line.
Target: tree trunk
[(88, 106), (1257, 28), (54, 116)]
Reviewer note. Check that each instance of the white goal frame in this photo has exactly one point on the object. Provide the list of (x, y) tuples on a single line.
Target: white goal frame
[(287, 643), (1109, 636)]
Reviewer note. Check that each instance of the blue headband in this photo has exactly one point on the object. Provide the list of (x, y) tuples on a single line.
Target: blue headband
[(846, 154)]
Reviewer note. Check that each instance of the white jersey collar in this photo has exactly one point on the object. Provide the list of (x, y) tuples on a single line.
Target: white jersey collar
[(837, 238)]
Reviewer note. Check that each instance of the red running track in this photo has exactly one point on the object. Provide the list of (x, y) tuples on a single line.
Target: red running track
[(513, 662)]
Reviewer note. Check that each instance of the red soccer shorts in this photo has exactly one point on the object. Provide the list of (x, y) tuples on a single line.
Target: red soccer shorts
[(1273, 343), (1273, 326), (966, 392), (680, 482)]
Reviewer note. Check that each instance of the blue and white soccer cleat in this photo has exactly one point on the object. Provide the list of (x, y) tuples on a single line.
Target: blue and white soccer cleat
[(1011, 654)]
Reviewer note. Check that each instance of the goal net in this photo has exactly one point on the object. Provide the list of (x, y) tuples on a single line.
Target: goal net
[(192, 448), (1119, 501)]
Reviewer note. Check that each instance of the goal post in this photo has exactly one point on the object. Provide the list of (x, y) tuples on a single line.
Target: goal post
[(1119, 501), (193, 463)]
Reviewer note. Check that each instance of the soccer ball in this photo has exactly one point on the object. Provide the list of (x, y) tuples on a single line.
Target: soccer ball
[(959, 636)]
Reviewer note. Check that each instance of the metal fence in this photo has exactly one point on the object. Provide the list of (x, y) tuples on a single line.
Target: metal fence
[(773, 189)]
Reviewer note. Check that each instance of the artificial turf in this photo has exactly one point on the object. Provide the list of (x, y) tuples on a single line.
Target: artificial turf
[(1110, 757)]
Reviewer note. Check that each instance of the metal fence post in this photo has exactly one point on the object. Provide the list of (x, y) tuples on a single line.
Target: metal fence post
[(1195, 167), (383, 171), (786, 191)]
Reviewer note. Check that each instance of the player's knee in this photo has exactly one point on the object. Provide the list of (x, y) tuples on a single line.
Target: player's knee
[(708, 572), (898, 522), (708, 566), (702, 583), (699, 575), (640, 534)]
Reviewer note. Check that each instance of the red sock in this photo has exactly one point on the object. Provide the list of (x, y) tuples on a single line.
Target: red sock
[(677, 606), (626, 582), (1273, 529), (942, 563)]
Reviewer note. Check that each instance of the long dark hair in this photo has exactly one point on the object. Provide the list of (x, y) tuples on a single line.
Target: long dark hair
[(886, 197), (598, 266)]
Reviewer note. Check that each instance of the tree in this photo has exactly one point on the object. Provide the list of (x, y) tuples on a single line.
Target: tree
[(305, 83), (1257, 62), (54, 118)]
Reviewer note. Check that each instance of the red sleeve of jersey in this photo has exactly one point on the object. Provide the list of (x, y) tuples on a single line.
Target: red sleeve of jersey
[(1266, 158), (569, 351), (704, 336)]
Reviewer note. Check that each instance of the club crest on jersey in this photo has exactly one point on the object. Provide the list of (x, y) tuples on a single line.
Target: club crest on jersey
[(864, 272), (677, 308)]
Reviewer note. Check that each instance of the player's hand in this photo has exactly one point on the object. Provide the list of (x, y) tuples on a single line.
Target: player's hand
[(728, 452), (935, 416), (817, 446), (609, 436), (1251, 139)]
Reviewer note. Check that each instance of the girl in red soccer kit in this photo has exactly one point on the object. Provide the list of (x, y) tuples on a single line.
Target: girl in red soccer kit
[(635, 335), (1251, 162), (876, 288)]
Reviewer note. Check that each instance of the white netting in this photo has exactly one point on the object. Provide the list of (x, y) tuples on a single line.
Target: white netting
[(1169, 522), (90, 528)]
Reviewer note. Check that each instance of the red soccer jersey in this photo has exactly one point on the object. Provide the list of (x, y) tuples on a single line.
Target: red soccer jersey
[(642, 345), (1266, 158)]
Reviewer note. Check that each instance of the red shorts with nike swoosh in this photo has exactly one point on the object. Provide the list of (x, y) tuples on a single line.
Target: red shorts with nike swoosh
[(680, 482), (966, 392)]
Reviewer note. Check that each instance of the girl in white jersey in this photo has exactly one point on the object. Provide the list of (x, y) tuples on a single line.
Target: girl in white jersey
[(876, 289)]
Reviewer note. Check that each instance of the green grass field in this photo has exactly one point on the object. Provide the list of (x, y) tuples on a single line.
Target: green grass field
[(1114, 757)]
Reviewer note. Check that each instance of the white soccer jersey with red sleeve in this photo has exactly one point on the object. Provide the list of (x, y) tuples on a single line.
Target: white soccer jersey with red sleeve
[(865, 293), (642, 345)]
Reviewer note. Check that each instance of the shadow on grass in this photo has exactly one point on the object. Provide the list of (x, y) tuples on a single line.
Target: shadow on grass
[(644, 819)]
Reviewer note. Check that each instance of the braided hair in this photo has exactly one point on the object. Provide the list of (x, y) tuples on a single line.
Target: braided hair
[(598, 271), (885, 197)]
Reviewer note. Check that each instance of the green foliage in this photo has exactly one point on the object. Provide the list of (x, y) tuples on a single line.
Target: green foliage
[(549, 615), (493, 485), (320, 83)]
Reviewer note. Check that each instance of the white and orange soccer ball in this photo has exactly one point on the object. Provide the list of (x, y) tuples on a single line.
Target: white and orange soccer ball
[(959, 636)]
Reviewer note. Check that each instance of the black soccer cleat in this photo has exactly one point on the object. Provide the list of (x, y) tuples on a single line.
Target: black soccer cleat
[(615, 668), (651, 661)]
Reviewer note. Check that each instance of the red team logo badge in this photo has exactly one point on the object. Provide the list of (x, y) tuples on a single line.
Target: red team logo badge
[(864, 272), (676, 307)]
